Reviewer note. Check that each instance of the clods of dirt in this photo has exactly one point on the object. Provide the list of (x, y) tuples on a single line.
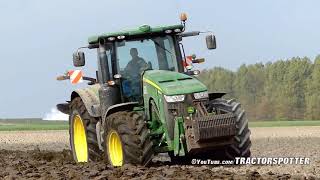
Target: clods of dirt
[(36, 164)]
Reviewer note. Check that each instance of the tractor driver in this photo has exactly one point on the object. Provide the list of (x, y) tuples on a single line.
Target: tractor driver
[(132, 73), (137, 64)]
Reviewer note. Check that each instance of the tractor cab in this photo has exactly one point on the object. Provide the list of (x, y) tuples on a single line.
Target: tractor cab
[(124, 56), (135, 56)]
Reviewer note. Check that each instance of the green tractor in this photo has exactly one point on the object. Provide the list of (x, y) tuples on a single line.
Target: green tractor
[(146, 99)]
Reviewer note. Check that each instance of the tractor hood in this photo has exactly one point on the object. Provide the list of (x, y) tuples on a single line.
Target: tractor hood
[(173, 83)]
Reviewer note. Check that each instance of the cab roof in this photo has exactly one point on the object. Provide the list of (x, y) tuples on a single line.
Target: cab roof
[(140, 31)]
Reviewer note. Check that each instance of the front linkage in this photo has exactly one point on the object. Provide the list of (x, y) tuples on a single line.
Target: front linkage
[(220, 126)]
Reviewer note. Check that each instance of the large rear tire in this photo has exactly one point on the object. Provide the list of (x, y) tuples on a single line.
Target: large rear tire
[(82, 130), (242, 142), (127, 139)]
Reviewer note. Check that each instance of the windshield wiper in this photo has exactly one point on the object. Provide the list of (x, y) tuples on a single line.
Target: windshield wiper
[(161, 46)]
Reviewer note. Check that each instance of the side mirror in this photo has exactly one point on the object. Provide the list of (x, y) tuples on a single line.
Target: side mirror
[(211, 42), (79, 59)]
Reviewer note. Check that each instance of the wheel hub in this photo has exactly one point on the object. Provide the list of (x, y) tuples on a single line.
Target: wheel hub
[(115, 148), (80, 140)]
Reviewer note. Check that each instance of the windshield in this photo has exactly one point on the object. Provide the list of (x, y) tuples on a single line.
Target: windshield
[(138, 55)]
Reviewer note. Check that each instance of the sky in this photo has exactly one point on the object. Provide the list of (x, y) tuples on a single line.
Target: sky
[(38, 39)]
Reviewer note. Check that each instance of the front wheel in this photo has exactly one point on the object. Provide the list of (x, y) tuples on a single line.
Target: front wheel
[(242, 142), (127, 139)]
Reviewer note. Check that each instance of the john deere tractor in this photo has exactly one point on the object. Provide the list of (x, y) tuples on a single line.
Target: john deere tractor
[(146, 99)]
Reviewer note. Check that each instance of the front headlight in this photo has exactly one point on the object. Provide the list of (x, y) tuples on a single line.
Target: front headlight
[(177, 98), (201, 95)]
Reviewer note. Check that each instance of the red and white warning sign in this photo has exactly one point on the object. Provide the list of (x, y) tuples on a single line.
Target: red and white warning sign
[(188, 62), (75, 76)]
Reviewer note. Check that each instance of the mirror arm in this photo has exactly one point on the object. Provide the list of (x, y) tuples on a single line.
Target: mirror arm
[(84, 47), (93, 46), (191, 33), (200, 60), (66, 77), (93, 80), (194, 33)]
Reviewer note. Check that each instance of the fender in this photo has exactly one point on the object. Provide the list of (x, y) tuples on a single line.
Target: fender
[(90, 98), (216, 95), (119, 107), (64, 108)]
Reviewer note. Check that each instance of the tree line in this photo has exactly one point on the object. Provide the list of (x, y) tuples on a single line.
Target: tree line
[(282, 90)]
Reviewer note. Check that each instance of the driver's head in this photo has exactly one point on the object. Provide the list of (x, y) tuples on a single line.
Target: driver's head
[(134, 52)]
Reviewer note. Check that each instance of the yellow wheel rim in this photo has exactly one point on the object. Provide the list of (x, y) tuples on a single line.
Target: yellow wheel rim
[(80, 140), (115, 148)]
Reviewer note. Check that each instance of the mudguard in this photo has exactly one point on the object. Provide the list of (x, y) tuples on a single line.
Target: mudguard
[(90, 98), (121, 107), (64, 108), (215, 95)]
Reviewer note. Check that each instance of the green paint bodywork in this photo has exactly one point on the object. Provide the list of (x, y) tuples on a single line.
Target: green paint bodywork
[(174, 83), (156, 84), (179, 144), (142, 30)]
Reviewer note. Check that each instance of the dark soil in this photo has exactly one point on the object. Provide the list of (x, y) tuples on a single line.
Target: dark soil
[(36, 164)]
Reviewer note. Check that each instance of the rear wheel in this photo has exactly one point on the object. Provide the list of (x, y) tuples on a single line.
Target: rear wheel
[(127, 139), (82, 130), (242, 142)]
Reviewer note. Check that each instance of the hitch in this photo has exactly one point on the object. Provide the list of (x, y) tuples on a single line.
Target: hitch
[(179, 144)]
